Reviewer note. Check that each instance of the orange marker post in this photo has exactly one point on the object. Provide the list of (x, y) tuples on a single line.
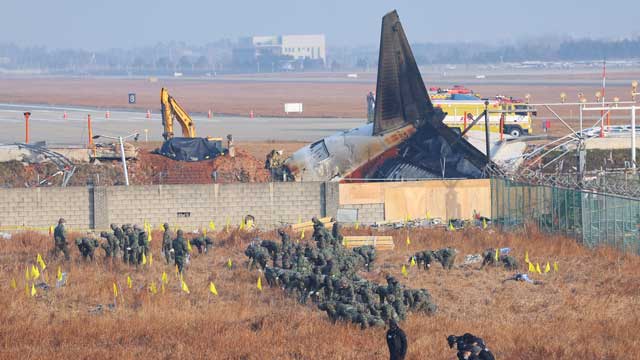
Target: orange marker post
[(26, 126), (90, 131)]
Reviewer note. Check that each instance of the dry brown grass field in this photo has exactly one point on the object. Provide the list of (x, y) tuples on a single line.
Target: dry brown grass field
[(590, 309)]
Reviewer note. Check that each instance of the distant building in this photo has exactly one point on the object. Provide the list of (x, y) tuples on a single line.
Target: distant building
[(280, 52)]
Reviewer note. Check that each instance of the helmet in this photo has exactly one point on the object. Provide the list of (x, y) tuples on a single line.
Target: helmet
[(180, 232), (166, 225), (104, 234), (113, 226), (61, 221)]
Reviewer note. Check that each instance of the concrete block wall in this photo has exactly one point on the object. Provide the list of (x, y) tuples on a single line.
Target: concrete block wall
[(368, 214), (42, 207)]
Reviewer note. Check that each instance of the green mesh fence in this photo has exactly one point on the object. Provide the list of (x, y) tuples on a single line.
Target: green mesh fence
[(592, 218)]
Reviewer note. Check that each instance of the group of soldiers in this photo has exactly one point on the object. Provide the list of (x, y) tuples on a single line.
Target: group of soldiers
[(327, 273), (133, 242), (446, 257)]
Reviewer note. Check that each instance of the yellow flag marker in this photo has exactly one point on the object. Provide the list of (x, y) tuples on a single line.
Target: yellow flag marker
[(484, 223), (144, 259), (413, 261), (177, 271), (532, 268), (212, 225), (150, 259), (185, 288), (302, 235), (162, 227), (212, 289), (526, 256), (115, 290), (357, 226), (41, 262), (129, 282), (14, 285), (149, 232), (33, 290), (299, 219), (204, 232), (259, 286), (59, 274), (153, 288), (538, 268), (408, 240), (34, 272), (188, 245), (51, 228), (497, 254), (451, 228), (404, 271), (164, 278), (547, 268), (229, 263), (555, 266), (228, 223), (428, 215)]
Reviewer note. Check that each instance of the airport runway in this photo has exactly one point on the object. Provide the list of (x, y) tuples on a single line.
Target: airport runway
[(48, 123)]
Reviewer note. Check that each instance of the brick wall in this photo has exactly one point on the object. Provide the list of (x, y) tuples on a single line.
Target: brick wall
[(186, 206), (368, 214)]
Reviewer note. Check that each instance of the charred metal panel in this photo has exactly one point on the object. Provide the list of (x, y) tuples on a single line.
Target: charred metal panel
[(401, 97)]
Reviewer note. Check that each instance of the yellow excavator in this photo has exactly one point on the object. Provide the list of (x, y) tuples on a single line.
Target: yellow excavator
[(171, 111)]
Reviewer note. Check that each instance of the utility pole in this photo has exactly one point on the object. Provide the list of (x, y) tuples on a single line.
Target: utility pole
[(486, 129), (26, 127)]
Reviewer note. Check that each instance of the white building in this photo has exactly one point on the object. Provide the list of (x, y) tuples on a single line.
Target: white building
[(299, 47), (304, 46)]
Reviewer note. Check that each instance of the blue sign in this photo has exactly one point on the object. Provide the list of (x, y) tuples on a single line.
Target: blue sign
[(132, 98)]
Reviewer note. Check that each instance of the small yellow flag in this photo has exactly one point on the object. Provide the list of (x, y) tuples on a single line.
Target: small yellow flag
[(428, 215), (204, 232), (497, 254), (212, 225), (177, 271), (212, 289), (115, 290), (188, 245), (357, 226), (35, 273), (404, 271), (538, 268), (51, 228), (153, 288), (299, 219), (302, 235), (149, 236), (41, 262), (33, 290), (228, 224), (164, 278), (59, 274), (451, 228), (27, 277), (408, 240), (532, 268), (185, 288), (144, 259), (484, 223), (229, 263), (526, 256), (129, 282), (555, 266), (150, 259), (413, 261), (162, 227), (547, 268), (14, 285), (259, 283)]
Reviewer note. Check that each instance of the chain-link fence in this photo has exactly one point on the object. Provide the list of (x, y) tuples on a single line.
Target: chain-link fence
[(592, 218)]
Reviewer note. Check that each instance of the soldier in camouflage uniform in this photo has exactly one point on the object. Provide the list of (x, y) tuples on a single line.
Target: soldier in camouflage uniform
[(119, 234), (143, 242), (167, 238), (87, 246), (60, 240), (133, 248), (202, 243), (180, 250), (446, 257), (489, 258), (110, 246)]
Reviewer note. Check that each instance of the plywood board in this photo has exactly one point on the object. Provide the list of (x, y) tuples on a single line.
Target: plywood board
[(362, 193)]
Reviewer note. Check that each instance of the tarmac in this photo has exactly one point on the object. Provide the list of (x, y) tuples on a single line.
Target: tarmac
[(47, 123)]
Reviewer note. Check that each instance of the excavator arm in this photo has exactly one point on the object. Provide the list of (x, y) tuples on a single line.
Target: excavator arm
[(171, 111)]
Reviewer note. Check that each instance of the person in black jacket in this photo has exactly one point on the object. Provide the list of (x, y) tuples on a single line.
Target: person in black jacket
[(397, 341)]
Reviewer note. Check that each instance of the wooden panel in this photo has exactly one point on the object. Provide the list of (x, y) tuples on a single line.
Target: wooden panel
[(379, 242), (361, 193)]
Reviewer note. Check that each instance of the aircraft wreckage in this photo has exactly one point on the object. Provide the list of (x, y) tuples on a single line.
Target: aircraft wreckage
[(407, 139)]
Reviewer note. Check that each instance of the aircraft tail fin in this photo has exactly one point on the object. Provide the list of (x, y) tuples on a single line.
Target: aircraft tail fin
[(401, 96)]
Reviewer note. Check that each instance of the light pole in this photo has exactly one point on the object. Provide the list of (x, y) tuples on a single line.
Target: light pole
[(124, 159)]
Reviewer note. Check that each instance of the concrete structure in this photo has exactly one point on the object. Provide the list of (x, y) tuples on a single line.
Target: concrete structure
[(271, 52), (272, 204)]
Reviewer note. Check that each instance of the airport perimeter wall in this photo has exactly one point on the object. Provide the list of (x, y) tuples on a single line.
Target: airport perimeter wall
[(272, 204)]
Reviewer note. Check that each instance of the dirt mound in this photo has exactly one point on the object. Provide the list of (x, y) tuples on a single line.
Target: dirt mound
[(147, 169)]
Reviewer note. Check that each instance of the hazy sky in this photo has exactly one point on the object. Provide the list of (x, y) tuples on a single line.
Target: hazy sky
[(101, 24)]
